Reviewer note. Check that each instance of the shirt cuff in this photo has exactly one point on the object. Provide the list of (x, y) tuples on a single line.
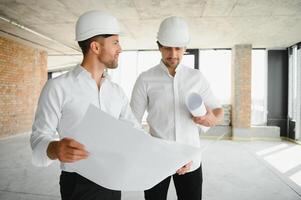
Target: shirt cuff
[(39, 154)]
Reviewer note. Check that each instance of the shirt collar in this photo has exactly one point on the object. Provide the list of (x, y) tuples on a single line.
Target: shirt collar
[(81, 71), (164, 67)]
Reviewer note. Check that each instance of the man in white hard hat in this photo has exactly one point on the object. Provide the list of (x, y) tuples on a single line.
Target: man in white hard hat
[(161, 91), (65, 99)]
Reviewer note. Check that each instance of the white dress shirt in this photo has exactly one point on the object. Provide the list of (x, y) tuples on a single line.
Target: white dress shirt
[(63, 103), (163, 96)]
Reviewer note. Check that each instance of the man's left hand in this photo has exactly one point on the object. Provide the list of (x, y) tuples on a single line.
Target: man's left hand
[(209, 119)]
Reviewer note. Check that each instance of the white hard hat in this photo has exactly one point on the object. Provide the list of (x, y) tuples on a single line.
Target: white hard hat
[(173, 32), (94, 23)]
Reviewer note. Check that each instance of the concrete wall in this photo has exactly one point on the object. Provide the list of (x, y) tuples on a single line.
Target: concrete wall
[(23, 72)]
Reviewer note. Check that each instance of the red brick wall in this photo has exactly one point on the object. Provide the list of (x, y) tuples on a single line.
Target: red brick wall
[(23, 72), (241, 86)]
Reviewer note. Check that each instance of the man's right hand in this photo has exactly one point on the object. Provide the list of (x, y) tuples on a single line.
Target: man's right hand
[(67, 150), (183, 170)]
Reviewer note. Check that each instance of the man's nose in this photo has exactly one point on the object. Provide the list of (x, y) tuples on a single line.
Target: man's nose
[(119, 49), (173, 52)]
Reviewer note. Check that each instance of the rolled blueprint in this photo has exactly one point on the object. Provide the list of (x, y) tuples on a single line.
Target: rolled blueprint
[(196, 107)]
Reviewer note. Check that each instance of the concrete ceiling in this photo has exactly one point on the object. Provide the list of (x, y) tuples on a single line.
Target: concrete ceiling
[(213, 23)]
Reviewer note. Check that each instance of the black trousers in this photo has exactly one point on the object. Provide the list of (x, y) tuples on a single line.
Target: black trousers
[(188, 187), (76, 187)]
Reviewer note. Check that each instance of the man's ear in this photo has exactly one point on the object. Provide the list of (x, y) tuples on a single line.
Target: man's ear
[(96, 47)]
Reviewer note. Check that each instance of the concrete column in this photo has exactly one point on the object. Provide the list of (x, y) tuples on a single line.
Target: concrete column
[(241, 90)]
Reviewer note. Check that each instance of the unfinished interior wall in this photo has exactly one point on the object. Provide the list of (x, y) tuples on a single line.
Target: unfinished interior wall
[(241, 89), (23, 72)]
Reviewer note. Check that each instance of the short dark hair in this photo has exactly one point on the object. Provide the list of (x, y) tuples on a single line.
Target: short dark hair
[(85, 44), (159, 44)]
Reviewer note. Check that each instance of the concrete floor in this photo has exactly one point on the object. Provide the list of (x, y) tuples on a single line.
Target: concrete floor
[(254, 170)]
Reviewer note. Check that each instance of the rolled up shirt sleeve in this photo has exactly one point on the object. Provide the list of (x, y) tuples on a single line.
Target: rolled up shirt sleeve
[(44, 129), (207, 95)]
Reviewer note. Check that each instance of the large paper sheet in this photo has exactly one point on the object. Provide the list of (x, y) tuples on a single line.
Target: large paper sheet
[(124, 158)]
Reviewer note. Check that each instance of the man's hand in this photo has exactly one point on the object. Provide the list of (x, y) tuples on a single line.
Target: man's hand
[(184, 169), (211, 118), (66, 150)]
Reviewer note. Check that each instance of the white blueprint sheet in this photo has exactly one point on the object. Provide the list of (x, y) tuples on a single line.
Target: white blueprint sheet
[(125, 158)]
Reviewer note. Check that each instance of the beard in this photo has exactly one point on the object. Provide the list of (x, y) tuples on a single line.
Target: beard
[(172, 62), (110, 63)]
